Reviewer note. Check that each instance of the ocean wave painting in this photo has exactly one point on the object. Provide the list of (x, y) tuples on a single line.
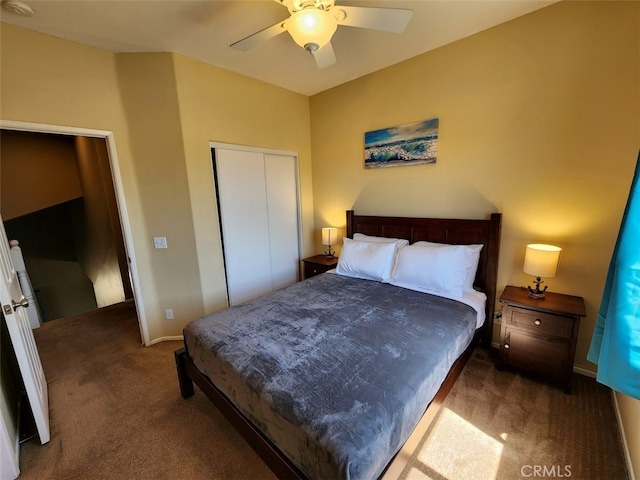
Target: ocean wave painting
[(410, 144)]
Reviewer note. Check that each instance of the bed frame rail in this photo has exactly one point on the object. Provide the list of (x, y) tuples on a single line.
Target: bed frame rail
[(277, 462)]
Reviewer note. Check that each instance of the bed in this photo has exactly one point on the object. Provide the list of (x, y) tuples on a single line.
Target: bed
[(329, 377)]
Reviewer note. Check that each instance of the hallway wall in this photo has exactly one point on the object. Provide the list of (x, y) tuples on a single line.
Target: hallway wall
[(36, 174)]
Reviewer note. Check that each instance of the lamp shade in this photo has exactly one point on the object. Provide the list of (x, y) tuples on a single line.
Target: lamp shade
[(329, 235), (312, 28), (541, 260)]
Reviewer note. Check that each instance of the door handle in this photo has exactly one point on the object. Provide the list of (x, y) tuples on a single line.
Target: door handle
[(22, 303)]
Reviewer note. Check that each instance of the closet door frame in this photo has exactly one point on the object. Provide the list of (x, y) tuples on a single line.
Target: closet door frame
[(264, 151)]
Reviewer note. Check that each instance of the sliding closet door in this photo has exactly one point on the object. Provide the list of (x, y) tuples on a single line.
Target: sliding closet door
[(245, 224), (257, 200), (282, 209)]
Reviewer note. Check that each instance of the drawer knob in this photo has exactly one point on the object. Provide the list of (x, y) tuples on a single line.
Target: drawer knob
[(506, 346), (537, 322)]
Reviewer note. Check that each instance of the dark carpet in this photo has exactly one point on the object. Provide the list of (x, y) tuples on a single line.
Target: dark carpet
[(501, 425), (116, 413)]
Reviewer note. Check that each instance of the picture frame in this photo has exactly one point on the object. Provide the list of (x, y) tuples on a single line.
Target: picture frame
[(411, 144)]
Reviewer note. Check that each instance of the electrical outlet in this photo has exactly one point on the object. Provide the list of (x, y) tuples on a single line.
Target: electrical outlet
[(168, 313), (497, 318), (160, 242)]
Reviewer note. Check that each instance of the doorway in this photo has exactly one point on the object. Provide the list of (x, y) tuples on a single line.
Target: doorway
[(63, 214), (81, 220)]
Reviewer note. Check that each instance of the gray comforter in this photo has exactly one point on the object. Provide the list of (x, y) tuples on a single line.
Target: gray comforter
[(335, 370)]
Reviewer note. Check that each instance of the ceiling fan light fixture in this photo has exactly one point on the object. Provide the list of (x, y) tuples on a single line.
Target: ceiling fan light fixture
[(312, 28)]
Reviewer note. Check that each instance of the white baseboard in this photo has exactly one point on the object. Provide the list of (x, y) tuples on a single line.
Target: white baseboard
[(165, 339), (625, 445), (584, 371)]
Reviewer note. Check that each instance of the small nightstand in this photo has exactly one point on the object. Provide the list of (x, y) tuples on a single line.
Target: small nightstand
[(319, 264), (539, 336)]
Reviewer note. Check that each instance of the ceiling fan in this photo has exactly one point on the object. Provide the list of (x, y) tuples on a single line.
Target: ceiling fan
[(312, 23)]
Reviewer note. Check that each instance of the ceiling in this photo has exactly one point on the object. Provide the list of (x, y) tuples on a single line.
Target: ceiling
[(203, 30)]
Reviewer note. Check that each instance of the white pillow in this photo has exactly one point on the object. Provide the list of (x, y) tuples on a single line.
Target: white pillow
[(432, 269), (401, 242), (368, 260), (473, 257)]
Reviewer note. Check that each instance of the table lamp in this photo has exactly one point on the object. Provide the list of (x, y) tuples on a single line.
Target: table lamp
[(540, 261), (329, 235)]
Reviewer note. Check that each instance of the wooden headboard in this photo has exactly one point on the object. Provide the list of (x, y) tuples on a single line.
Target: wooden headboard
[(445, 230)]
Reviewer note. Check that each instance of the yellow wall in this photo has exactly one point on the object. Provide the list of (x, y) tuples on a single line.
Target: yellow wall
[(162, 127), (148, 90), (24, 188), (219, 106), (539, 120), (101, 253)]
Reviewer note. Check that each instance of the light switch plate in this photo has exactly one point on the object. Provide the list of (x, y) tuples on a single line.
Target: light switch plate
[(160, 242)]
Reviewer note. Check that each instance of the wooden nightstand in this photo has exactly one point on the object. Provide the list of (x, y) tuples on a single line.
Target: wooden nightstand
[(539, 336), (319, 264)]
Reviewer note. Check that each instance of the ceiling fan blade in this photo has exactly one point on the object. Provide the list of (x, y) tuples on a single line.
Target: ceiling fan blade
[(392, 20), (325, 56), (262, 36)]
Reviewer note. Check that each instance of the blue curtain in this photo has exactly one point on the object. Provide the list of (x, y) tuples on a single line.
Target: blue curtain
[(615, 345)]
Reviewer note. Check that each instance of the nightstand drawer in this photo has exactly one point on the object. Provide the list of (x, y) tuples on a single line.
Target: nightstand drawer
[(541, 323), (313, 269)]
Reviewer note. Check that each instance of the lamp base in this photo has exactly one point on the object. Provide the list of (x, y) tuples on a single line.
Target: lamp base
[(329, 253), (537, 293)]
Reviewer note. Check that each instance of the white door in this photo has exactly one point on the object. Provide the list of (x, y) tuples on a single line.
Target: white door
[(280, 177), (258, 205), (245, 224), (14, 310)]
